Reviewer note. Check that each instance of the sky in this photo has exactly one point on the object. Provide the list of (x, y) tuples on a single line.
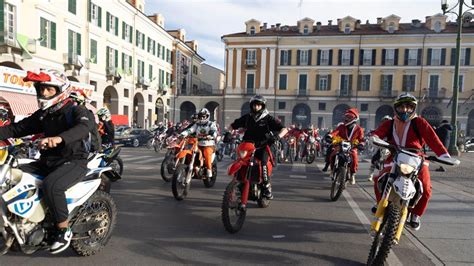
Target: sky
[(207, 20)]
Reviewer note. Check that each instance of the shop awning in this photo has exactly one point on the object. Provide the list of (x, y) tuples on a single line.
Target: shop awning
[(20, 103), (120, 120)]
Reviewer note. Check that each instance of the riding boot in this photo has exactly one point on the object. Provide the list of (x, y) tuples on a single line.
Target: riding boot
[(267, 187)]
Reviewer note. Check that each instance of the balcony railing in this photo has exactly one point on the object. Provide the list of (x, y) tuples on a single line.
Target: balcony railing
[(388, 93), (302, 93), (251, 63), (435, 93), (343, 93), (143, 82)]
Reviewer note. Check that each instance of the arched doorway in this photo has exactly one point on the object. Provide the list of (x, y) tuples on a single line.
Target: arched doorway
[(11, 65), (213, 107), (111, 99), (470, 124), (187, 109), (381, 112), (159, 110), (245, 109), (432, 114), (338, 113), (138, 110), (301, 115)]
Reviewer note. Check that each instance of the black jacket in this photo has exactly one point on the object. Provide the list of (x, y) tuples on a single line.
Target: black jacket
[(444, 133), (52, 125), (109, 130), (256, 131)]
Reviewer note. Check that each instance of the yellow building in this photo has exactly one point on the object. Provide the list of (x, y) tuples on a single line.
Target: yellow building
[(310, 73)]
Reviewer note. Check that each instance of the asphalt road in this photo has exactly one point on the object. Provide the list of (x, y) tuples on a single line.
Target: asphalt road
[(301, 225)]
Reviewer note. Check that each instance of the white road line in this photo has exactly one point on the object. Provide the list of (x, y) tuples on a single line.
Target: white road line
[(392, 258), (144, 161), (297, 167), (298, 176)]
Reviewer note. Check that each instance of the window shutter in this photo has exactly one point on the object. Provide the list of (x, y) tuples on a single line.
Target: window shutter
[(99, 10), (405, 62), (130, 37), (89, 10), (350, 84), (43, 32), (383, 57), (418, 60), (330, 57), (329, 82), (382, 77), (70, 39), (317, 81), (123, 61), (395, 59), (143, 41), (298, 54), (443, 56), (107, 18), (116, 59), (359, 82), (339, 57), (78, 43), (404, 83), (281, 57), (352, 57), (116, 27), (374, 55), (310, 54), (130, 62), (467, 61), (453, 56), (107, 56), (361, 57), (428, 59), (318, 60), (289, 57), (53, 35)]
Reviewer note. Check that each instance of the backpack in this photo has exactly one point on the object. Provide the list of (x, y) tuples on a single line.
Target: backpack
[(92, 143)]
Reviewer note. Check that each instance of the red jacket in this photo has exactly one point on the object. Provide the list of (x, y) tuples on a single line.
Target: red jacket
[(356, 134), (410, 139), (296, 133)]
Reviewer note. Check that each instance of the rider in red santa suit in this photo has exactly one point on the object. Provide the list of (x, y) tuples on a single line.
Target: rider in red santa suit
[(410, 132), (4, 116), (349, 131)]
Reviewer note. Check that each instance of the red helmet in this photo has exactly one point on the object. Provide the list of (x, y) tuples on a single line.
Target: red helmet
[(351, 116)]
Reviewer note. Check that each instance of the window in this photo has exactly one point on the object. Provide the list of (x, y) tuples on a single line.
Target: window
[(281, 105), (158, 54), (162, 77), (282, 85), (95, 15), (48, 33), (250, 83), (435, 57), (94, 84), (409, 82), (386, 84), (195, 70), (93, 58), (150, 72), (112, 24), (162, 51), (138, 39), (127, 32), (367, 58), (389, 57), (140, 68), (127, 63), (324, 61), (347, 28), (322, 106), (125, 108), (391, 27), (412, 57), (323, 82), (150, 99), (71, 6), (168, 77), (285, 57), (149, 45), (302, 84), (364, 107), (437, 26), (434, 86), (364, 82), (461, 83), (304, 57), (252, 30), (345, 85), (10, 23), (346, 57), (111, 59), (464, 59), (305, 30), (74, 44), (251, 58)]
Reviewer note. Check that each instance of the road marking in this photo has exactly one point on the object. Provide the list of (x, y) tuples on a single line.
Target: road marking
[(298, 176), (392, 258), (143, 160), (278, 236)]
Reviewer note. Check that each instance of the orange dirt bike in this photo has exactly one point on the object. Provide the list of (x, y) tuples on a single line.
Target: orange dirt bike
[(170, 162), (191, 166)]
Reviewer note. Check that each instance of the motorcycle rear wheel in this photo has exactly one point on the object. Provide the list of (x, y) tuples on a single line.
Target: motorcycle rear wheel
[(233, 217), (384, 239), (179, 189), (209, 182), (338, 184), (117, 165)]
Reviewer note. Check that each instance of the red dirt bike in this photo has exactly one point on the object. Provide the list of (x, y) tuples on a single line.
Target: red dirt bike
[(247, 184), (312, 149)]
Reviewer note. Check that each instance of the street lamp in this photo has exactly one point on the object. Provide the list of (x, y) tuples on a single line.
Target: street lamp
[(453, 148)]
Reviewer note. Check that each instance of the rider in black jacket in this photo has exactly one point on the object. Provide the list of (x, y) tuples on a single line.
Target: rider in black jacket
[(260, 125), (64, 154)]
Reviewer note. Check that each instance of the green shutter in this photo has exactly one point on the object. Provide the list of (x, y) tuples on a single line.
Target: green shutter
[(99, 10), (143, 41), (116, 59), (70, 40), (130, 62), (107, 57), (123, 61), (159, 50), (107, 18), (43, 33), (78, 35), (93, 58), (89, 10), (116, 26), (150, 72), (72, 6), (123, 30), (136, 37), (130, 37), (53, 35)]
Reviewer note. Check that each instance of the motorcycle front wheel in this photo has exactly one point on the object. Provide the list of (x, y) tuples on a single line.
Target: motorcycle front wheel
[(338, 183), (233, 217), (117, 165), (94, 225), (384, 238), (167, 169), (179, 188), (310, 157)]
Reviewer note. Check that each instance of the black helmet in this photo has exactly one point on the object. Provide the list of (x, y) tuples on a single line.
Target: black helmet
[(194, 117), (257, 99), (405, 98)]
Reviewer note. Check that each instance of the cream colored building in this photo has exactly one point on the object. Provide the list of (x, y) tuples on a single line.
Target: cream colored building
[(112, 45), (310, 73)]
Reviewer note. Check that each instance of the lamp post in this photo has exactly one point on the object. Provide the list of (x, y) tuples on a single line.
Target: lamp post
[(453, 148)]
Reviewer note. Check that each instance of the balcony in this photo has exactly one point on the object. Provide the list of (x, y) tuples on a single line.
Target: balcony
[(143, 82), (11, 42), (302, 93), (343, 93), (111, 73), (72, 62), (388, 94), (251, 63), (435, 94)]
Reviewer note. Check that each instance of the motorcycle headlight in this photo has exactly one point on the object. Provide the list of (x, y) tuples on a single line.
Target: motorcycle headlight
[(406, 169), (242, 154)]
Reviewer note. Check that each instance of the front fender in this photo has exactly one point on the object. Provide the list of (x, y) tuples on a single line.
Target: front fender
[(234, 167), (183, 154)]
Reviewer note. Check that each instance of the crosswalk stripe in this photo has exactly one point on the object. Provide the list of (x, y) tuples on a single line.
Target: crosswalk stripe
[(298, 176)]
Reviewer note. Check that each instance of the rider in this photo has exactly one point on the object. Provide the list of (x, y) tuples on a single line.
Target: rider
[(63, 161), (106, 126), (206, 132), (409, 131), (374, 162), (296, 132), (349, 131), (259, 124)]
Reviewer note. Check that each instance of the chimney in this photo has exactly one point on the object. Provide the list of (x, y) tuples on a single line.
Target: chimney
[(330, 22), (416, 23), (379, 20), (367, 22), (264, 26), (272, 27), (278, 26), (338, 21), (318, 25), (357, 25)]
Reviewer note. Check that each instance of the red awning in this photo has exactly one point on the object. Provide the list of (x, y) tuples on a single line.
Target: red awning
[(120, 120), (20, 103)]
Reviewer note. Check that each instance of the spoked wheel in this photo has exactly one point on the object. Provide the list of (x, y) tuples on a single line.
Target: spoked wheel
[(338, 183), (209, 182), (310, 157), (167, 169), (149, 144), (94, 225), (156, 146), (384, 238), (292, 155), (178, 186), (117, 165), (233, 216), (263, 202)]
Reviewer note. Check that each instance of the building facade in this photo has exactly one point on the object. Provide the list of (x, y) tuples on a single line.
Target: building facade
[(124, 54), (311, 73)]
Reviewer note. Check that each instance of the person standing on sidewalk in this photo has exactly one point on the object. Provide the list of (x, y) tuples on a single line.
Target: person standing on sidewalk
[(443, 131)]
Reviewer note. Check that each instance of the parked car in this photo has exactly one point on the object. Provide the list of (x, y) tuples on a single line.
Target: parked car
[(135, 137), (120, 130), (469, 144)]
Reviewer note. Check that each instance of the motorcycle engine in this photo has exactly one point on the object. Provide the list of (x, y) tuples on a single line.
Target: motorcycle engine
[(33, 233)]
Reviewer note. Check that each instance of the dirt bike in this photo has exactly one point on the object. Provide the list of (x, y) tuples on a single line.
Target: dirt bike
[(246, 184), (401, 190), (169, 163), (191, 166), (279, 152), (340, 171), (26, 225), (312, 149)]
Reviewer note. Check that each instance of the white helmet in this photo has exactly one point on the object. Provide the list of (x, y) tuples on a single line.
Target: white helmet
[(203, 116), (104, 114), (53, 78)]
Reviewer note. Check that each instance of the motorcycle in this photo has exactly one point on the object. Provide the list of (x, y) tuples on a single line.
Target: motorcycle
[(280, 151), (191, 166), (246, 184), (340, 172), (169, 163), (313, 149), (157, 142), (401, 190), (26, 224)]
